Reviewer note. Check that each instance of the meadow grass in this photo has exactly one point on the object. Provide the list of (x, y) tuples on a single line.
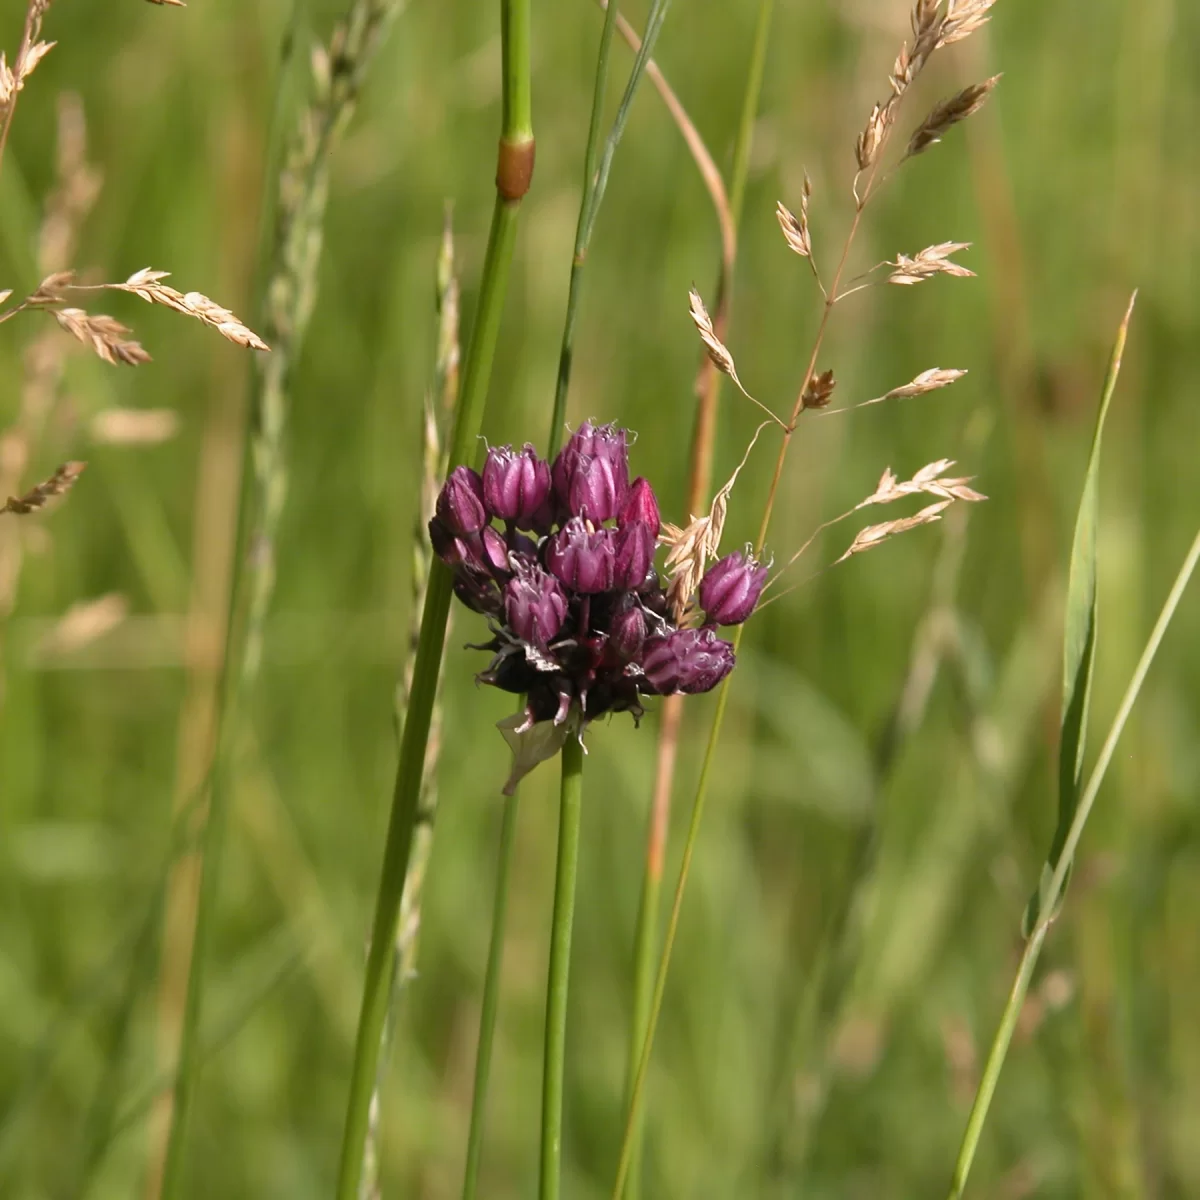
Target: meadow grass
[(885, 790)]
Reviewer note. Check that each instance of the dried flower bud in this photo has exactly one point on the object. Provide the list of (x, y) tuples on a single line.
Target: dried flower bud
[(627, 634), (730, 589), (640, 505), (688, 660), (460, 502), (633, 555), (515, 484), (534, 606), (582, 558), (819, 391), (591, 473), (480, 593)]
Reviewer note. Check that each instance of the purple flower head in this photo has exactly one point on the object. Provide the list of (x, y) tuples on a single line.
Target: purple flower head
[(460, 502), (515, 484), (730, 588), (535, 607), (640, 505), (687, 660), (633, 555), (591, 473), (581, 558)]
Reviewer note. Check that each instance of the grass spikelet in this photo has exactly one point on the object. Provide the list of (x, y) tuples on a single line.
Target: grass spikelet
[(948, 114), (104, 335), (59, 484), (147, 284), (876, 535), (929, 480), (933, 260), (819, 391), (963, 18)]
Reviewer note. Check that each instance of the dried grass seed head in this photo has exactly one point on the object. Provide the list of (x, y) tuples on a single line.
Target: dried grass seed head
[(963, 18), (927, 381), (933, 260), (819, 391), (147, 283), (105, 335), (948, 114), (58, 484), (874, 535), (928, 480)]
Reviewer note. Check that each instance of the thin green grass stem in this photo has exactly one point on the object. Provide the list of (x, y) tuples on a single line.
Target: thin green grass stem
[(646, 935), (595, 180), (491, 995), (560, 964), (1054, 892), (407, 792), (660, 982)]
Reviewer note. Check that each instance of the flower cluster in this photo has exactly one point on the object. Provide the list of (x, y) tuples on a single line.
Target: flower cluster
[(561, 560)]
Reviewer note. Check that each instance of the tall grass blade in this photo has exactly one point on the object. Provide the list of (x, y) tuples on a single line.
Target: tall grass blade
[(1079, 638)]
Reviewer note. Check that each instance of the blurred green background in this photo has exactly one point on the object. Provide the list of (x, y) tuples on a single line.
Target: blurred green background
[(885, 790)]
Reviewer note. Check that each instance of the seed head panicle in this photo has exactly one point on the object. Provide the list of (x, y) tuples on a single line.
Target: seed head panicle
[(933, 260), (948, 114)]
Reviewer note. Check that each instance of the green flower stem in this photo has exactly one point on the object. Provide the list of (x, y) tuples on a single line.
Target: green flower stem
[(491, 993), (645, 938), (513, 174), (560, 965), (1054, 892)]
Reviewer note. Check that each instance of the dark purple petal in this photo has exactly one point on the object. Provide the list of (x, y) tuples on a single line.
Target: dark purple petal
[(640, 505), (633, 550), (730, 589), (534, 606), (460, 502), (688, 660), (516, 484), (582, 559)]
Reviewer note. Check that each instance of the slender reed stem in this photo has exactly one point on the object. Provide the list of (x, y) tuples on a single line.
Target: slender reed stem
[(491, 995), (596, 170), (513, 174), (560, 965), (1054, 892), (703, 440), (635, 1100)]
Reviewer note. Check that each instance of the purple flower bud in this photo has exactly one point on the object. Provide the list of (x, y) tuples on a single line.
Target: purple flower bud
[(493, 552), (591, 473), (581, 558), (515, 484), (633, 552), (534, 606), (640, 505), (731, 588), (460, 502), (688, 660), (627, 634)]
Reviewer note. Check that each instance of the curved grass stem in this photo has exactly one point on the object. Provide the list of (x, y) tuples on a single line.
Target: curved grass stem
[(1053, 893)]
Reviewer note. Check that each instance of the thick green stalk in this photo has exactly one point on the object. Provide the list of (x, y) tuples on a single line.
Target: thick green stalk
[(514, 171), (491, 995), (1052, 897), (560, 965), (407, 792), (646, 936)]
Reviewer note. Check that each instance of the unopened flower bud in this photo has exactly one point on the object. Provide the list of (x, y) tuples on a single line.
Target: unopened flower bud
[(515, 484), (580, 558), (687, 660), (591, 474), (731, 588), (633, 554), (627, 634), (534, 606), (460, 502), (640, 505)]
